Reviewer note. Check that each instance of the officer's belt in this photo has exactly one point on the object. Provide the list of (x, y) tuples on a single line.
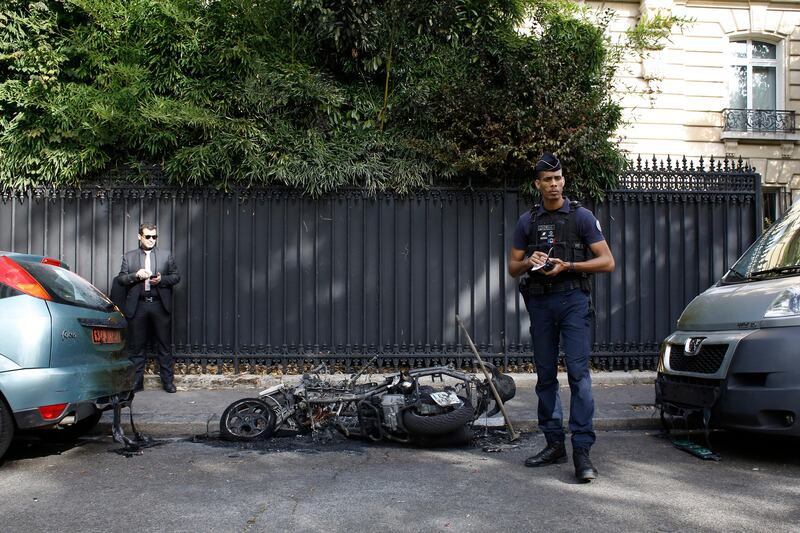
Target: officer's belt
[(536, 289)]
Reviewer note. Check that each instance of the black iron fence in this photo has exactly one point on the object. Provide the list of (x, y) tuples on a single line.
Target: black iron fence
[(271, 278)]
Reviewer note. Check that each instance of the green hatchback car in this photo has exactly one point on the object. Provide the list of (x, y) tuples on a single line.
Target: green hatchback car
[(62, 360)]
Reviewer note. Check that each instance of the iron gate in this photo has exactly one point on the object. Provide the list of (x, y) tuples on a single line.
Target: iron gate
[(270, 277)]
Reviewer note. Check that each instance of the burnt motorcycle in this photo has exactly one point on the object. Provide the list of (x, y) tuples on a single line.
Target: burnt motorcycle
[(401, 407)]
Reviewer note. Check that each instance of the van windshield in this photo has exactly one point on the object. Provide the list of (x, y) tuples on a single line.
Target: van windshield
[(67, 287), (775, 254)]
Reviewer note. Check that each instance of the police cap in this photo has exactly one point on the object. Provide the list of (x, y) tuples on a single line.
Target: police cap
[(547, 163)]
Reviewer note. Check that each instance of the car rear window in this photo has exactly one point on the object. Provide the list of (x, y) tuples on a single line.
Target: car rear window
[(67, 287)]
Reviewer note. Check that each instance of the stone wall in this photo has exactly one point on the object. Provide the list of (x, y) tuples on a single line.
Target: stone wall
[(673, 98)]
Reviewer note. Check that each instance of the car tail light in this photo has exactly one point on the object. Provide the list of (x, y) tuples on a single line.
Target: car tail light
[(51, 261), (51, 412), (16, 277)]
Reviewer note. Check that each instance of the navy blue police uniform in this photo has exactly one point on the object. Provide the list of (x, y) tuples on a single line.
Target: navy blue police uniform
[(560, 310)]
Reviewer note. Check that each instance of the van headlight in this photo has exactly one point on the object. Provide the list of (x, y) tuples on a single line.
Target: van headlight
[(786, 304), (663, 354)]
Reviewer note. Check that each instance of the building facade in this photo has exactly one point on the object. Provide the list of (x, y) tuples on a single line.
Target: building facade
[(726, 84)]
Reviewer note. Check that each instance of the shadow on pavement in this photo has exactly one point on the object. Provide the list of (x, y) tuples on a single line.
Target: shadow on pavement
[(41, 444), (744, 446)]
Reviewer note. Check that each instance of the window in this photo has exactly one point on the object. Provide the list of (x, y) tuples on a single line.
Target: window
[(755, 91), (754, 75), (67, 287), (776, 202)]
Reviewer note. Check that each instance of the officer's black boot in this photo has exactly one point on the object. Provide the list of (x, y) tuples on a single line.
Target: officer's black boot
[(584, 470), (554, 452)]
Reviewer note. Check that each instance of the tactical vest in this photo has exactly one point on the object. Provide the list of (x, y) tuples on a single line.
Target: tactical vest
[(556, 230)]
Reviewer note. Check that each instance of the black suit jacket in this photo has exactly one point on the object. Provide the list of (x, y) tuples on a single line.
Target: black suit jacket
[(160, 261)]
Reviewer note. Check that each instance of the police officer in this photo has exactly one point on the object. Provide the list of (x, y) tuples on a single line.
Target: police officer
[(556, 245)]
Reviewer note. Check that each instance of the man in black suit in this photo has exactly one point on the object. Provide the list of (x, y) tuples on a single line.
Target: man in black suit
[(149, 273)]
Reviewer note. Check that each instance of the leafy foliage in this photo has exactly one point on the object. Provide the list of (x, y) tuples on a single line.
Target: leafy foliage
[(312, 94), (652, 32)]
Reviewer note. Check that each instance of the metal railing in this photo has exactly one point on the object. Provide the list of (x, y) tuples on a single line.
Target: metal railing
[(759, 120)]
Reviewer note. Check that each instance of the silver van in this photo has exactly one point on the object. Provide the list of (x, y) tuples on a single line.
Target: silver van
[(735, 356)]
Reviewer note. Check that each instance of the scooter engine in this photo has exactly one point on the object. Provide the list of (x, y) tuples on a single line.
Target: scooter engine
[(392, 405)]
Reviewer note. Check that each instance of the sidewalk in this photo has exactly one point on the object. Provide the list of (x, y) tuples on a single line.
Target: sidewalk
[(623, 400)]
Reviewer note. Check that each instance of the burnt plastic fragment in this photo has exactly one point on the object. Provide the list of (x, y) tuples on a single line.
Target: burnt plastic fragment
[(695, 449), (140, 441)]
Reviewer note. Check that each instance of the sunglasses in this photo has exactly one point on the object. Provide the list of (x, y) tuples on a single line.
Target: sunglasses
[(150, 237)]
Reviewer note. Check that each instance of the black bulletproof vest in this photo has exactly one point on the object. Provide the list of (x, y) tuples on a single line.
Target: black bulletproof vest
[(557, 230)]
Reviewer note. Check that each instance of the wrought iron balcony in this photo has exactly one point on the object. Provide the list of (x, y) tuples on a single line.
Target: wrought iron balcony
[(758, 120)]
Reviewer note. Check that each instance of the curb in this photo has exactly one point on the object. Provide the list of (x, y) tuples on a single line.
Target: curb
[(260, 382), (189, 422), (216, 382)]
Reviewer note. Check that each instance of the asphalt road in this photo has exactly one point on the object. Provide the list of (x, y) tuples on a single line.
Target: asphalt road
[(293, 484)]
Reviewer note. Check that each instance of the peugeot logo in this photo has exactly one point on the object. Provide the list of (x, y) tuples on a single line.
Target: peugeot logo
[(692, 345)]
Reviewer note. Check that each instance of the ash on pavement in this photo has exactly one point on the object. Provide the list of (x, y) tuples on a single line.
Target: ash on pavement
[(487, 440)]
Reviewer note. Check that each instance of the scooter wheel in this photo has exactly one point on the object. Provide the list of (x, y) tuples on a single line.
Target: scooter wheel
[(419, 424), (247, 419)]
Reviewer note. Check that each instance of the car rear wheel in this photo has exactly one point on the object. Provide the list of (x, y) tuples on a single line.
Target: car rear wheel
[(6, 427)]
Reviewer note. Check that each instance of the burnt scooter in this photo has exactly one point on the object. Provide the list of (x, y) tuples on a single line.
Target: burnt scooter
[(401, 407)]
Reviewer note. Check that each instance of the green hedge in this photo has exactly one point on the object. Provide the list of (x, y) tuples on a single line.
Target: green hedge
[(313, 94)]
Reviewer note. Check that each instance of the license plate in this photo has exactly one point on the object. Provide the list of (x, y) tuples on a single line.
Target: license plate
[(446, 398), (106, 336), (688, 395)]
